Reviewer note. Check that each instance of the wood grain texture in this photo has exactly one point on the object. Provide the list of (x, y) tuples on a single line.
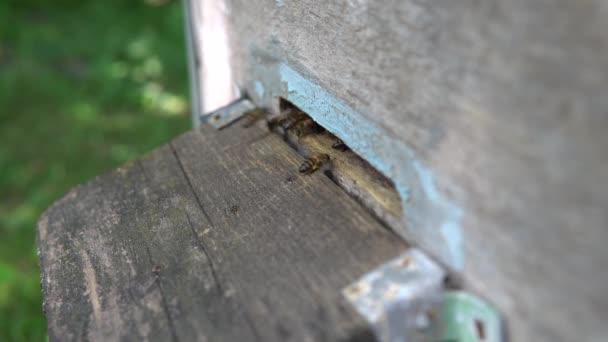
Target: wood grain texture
[(505, 101), (213, 237)]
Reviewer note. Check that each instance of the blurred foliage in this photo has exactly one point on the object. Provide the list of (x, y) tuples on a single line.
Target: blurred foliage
[(84, 86)]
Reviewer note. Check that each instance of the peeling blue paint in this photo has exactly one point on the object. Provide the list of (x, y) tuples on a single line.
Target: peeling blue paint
[(259, 89), (430, 219), (450, 230)]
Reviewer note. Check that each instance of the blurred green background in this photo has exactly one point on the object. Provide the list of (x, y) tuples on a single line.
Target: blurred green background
[(85, 85)]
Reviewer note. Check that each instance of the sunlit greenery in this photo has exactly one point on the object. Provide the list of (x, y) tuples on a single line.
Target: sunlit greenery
[(85, 85)]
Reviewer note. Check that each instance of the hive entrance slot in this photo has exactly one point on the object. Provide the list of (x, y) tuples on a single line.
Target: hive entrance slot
[(343, 165)]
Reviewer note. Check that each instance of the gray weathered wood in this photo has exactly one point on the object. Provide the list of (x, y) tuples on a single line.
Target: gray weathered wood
[(506, 103), (215, 236)]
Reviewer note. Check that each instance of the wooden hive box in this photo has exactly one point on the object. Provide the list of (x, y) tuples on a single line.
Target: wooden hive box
[(487, 118)]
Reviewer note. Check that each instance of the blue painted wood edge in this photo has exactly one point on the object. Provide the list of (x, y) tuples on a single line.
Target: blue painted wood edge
[(430, 219)]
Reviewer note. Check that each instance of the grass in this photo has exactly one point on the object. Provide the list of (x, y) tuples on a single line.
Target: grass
[(84, 87)]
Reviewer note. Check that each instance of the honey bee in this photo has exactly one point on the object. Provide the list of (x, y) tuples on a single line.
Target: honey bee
[(306, 127), (339, 145), (252, 116), (295, 117), (287, 119), (313, 163), (276, 122)]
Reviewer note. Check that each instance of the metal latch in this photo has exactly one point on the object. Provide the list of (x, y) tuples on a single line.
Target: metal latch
[(404, 300), (400, 299)]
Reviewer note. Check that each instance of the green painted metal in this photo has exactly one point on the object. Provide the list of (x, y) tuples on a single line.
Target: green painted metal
[(467, 318)]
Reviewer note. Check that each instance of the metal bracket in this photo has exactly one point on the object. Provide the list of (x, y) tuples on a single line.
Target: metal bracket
[(222, 117), (404, 300), (401, 299)]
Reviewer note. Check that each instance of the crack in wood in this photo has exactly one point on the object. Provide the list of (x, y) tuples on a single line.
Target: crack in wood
[(205, 251), (162, 294), (157, 274), (198, 200)]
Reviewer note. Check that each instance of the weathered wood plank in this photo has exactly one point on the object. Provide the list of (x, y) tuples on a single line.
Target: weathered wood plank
[(213, 237)]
